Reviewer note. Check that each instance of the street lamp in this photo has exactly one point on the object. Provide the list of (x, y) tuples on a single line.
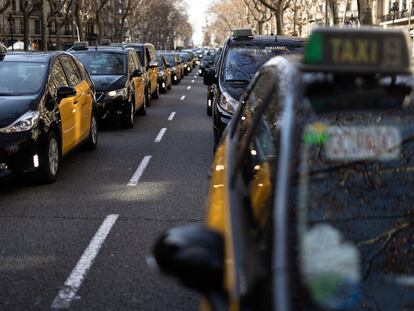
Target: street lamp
[(394, 10), (11, 20)]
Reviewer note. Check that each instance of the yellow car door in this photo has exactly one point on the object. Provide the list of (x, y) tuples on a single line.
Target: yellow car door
[(66, 106), (137, 82), (82, 103)]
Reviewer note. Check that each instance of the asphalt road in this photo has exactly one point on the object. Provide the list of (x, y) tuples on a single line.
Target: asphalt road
[(83, 242)]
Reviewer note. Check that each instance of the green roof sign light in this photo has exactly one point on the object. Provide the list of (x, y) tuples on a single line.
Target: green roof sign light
[(364, 50)]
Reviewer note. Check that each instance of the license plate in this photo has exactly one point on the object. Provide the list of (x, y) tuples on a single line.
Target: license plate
[(363, 143)]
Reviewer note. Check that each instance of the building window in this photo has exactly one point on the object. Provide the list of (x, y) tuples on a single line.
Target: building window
[(37, 27)]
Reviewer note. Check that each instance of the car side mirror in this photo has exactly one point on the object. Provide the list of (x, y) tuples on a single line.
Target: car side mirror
[(210, 77), (194, 255), (153, 64), (65, 92), (136, 73)]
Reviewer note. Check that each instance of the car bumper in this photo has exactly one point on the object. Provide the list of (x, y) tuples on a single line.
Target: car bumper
[(19, 153), (162, 82), (112, 108), (221, 118)]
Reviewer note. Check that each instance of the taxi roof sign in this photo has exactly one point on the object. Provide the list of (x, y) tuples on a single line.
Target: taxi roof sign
[(240, 33), (81, 45), (362, 50)]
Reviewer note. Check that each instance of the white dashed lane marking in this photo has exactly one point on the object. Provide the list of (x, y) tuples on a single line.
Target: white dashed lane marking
[(68, 292), (182, 97), (172, 115), (160, 135), (140, 170), (192, 81), (189, 87)]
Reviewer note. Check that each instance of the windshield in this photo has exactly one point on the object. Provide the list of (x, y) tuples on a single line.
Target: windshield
[(356, 208), (170, 58), (103, 63), (21, 78), (242, 62)]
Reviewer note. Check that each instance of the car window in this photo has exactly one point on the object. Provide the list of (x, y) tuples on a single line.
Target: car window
[(57, 78), (131, 63), (136, 61), (71, 71), (257, 182), (21, 78)]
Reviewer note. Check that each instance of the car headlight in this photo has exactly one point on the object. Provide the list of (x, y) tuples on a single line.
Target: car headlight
[(185, 65), (121, 92), (228, 103), (25, 123)]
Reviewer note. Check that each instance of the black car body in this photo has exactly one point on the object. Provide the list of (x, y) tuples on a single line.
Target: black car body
[(118, 78), (164, 73), (211, 89), (174, 61), (47, 108), (310, 204), (242, 55), (148, 58), (187, 62), (205, 63)]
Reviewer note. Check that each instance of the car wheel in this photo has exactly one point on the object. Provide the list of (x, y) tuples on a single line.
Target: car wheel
[(148, 95), (156, 93), (92, 141), (209, 110), (142, 111), (129, 121), (50, 161)]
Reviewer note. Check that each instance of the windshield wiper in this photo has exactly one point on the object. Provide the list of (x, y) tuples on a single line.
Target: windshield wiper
[(238, 81)]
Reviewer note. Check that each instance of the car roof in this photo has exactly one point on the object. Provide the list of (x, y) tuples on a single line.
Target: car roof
[(105, 49), (37, 57), (266, 39)]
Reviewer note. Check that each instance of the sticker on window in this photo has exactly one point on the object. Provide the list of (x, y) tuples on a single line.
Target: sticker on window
[(363, 143)]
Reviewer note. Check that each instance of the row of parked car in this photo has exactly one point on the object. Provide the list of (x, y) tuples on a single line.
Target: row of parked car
[(52, 102)]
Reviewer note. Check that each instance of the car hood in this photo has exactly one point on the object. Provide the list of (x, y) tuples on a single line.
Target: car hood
[(109, 83), (13, 107)]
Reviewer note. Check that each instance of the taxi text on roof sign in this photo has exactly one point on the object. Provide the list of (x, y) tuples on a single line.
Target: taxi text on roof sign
[(247, 32), (362, 50)]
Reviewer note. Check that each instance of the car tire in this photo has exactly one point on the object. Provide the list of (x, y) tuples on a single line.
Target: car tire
[(50, 161), (148, 95), (129, 120), (156, 93), (92, 141), (209, 110), (142, 111)]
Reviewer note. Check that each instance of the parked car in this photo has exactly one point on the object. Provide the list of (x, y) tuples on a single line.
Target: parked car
[(47, 109), (119, 80)]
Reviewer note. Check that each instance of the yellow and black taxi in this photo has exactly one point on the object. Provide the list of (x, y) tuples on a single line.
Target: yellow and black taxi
[(173, 60), (118, 78), (211, 89), (47, 108), (243, 54), (164, 73), (148, 57), (311, 203), (187, 62)]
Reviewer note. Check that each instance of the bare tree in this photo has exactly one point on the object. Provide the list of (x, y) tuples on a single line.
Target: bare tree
[(365, 11)]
